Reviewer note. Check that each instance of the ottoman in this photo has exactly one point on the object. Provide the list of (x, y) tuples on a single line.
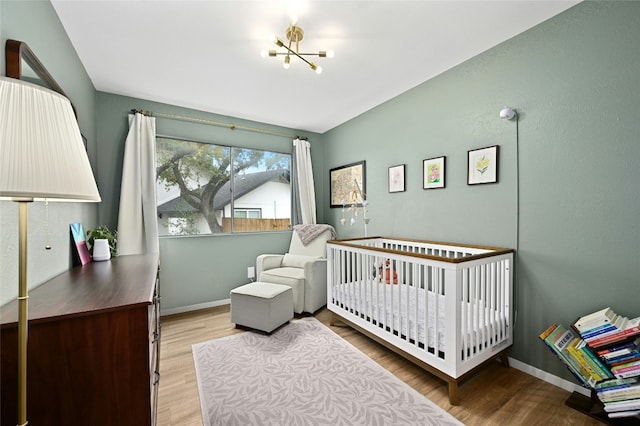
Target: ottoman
[(261, 306)]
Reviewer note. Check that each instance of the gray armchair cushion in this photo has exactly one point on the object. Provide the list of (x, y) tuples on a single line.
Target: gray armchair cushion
[(297, 260)]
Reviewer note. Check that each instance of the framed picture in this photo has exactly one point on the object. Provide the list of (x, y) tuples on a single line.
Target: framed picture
[(396, 178), (433, 173), (482, 165), (347, 185)]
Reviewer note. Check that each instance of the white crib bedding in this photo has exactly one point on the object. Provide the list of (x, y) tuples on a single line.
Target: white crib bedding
[(365, 299)]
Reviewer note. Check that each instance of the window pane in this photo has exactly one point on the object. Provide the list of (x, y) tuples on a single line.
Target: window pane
[(262, 188), (196, 192)]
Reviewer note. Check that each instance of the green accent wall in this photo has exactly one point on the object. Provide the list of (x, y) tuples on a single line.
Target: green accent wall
[(575, 81)]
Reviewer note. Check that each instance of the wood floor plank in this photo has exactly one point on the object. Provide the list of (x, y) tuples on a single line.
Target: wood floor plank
[(495, 396)]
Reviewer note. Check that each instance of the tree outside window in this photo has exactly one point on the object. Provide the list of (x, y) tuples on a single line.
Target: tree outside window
[(199, 185)]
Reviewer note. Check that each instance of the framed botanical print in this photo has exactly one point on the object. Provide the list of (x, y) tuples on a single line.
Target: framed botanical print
[(433, 173), (482, 165), (396, 178)]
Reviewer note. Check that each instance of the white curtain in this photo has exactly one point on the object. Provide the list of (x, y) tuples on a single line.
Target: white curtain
[(137, 220), (304, 192)]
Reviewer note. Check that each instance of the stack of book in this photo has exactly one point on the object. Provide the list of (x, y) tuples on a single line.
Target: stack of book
[(620, 397), (615, 340), (605, 327)]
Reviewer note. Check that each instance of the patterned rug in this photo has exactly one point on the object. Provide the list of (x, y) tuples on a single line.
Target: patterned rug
[(304, 374)]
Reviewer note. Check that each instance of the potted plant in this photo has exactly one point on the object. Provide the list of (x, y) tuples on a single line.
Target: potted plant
[(102, 232)]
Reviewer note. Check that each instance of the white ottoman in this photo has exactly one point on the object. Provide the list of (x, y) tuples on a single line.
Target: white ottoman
[(261, 306)]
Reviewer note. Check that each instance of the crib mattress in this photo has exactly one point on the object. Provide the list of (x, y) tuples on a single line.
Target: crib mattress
[(394, 307)]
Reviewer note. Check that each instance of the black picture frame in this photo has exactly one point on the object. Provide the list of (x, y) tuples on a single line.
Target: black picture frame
[(347, 185), (397, 180), (434, 173), (482, 165)]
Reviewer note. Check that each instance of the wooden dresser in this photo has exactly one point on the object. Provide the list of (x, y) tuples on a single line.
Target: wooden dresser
[(93, 346)]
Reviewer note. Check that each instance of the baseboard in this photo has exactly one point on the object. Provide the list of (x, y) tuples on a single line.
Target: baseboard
[(196, 307), (549, 378)]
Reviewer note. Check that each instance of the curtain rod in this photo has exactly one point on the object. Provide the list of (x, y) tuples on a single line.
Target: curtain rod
[(230, 126)]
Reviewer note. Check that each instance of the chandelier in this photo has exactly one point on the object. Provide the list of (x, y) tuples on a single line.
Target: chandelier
[(294, 35)]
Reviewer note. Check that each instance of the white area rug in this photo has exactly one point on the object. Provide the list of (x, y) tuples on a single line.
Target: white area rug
[(304, 374)]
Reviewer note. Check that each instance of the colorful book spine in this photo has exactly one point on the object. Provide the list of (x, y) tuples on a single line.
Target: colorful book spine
[(615, 383), (588, 370), (616, 354), (626, 367), (596, 363), (598, 331), (622, 346), (621, 335), (625, 374), (623, 359), (549, 337)]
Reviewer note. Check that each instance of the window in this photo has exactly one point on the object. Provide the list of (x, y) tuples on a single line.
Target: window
[(199, 185), (247, 213)]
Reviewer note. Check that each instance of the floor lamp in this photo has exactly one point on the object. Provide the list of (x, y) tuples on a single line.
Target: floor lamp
[(42, 157)]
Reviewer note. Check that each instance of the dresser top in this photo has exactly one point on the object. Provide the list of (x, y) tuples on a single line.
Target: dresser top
[(120, 283)]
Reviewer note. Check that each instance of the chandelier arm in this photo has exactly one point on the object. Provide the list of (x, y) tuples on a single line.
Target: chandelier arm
[(293, 52)]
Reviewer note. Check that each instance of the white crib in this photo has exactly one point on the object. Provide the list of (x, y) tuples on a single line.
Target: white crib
[(445, 307)]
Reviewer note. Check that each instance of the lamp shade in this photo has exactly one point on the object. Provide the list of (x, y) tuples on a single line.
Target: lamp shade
[(41, 150)]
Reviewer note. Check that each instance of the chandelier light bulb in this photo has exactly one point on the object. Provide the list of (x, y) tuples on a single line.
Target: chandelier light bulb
[(330, 54), (264, 53), (318, 69), (287, 60)]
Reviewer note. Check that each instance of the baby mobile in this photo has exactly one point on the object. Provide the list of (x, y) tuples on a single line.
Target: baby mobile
[(354, 208)]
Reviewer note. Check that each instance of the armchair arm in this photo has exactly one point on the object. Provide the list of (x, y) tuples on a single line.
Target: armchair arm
[(315, 291), (267, 261)]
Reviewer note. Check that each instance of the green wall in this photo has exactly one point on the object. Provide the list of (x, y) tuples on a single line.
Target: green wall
[(36, 23), (194, 270), (575, 82)]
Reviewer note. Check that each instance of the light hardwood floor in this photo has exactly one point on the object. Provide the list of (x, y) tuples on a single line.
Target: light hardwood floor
[(495, 396)]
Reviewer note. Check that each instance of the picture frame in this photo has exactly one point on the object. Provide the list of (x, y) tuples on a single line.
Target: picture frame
[(397, 178), (433, 173), (482, 165), (347, 184)]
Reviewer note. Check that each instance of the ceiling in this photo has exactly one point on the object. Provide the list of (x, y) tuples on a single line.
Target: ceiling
[(205, 55)]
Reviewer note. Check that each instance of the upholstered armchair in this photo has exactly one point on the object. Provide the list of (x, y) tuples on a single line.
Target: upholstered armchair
[(303, 267)]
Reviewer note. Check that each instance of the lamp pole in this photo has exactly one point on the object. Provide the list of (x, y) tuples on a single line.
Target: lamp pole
[(23, 318)]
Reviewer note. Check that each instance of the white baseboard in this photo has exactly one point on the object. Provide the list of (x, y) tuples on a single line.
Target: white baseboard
[(196, 307), (549, 378)]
